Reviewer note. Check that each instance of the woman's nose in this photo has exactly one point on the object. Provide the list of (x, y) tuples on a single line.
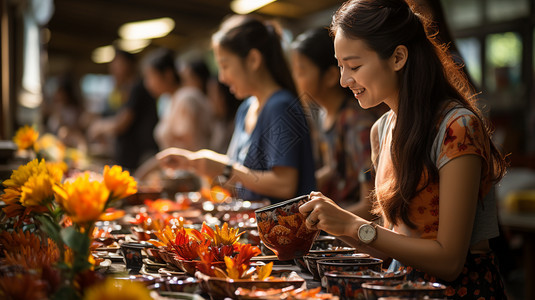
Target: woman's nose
[(345, 80)]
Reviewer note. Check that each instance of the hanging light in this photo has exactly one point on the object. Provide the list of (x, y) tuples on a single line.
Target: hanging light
[(246, 6), (148, 29), (104, 54)]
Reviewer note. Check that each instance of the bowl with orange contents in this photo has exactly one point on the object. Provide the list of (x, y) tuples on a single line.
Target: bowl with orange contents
[(282, 228)]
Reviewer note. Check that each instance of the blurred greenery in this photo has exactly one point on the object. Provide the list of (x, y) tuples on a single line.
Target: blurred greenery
[(504, 49)]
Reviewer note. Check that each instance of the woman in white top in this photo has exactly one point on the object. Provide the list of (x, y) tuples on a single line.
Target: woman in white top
[(186, 122)]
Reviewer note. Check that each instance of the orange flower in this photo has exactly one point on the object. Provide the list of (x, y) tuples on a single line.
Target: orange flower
[(82, 199), (25, 137), (112, 214), (23, 286), (119, 182), (226, 235), (10, 196)]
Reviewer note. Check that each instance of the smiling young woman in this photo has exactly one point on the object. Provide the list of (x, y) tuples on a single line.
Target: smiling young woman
[(270, 154), (434, 160)]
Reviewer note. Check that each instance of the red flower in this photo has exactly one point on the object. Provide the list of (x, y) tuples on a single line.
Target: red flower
[(488, 276), (476, 292), (434, 201), (462, 147), (434, 212), (449, 136), (421, 209), (450, 291), (246, 252), (462, 292)]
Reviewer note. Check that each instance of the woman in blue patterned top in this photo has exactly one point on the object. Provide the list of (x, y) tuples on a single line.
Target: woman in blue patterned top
[(270, 154)]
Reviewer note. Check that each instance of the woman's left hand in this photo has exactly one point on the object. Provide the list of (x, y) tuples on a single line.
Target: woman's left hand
[(324, 214), (208, 162)]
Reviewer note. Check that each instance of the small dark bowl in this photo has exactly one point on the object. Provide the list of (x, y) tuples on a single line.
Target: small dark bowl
[(348, 285), (181, 284), (154, 255), (301, 263), (220, 288), (282, 228), (324, 242), (132, 256), (311, 260), (404, 289), (348, 264)]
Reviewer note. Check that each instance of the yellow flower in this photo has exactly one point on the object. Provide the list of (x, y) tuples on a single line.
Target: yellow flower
[(37, 190), (82, 199), (25, 137), (56, 170), (21, 174), (117, 289), (119, 182)]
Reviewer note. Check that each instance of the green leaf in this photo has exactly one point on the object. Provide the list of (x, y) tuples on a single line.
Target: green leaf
[(51, 228), (66, 292), (75, 240)]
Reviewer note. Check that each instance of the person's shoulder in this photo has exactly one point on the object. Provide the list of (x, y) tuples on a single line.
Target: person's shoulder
[(282, 99), (460, 115)]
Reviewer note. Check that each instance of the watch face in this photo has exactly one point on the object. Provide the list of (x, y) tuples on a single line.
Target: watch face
[(366, 233)]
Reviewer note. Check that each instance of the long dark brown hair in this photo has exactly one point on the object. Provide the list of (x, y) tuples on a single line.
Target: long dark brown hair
[(428, 82), (240, 34)]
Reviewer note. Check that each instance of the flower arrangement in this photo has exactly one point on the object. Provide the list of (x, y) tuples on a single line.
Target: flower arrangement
[(29, 192), (61, 217)]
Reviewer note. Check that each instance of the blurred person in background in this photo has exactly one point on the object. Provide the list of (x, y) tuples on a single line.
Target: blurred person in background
[(270, 155), (62, 115), (194, 73), (345, 126), (132, 126), (187, 121)]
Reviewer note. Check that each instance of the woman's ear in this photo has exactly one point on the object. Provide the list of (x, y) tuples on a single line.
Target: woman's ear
[(254, 59), (399, 57)]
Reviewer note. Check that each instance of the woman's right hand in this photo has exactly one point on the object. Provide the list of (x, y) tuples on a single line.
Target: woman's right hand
[(324, 214), (174, 158)]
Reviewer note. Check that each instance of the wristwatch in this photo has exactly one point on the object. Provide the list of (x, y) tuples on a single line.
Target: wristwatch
[(367, 232)]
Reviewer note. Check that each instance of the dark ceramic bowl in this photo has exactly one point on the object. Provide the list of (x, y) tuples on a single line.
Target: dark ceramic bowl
[(282, 228), (181, 284), (348, 285), (312, 259), (324, 242), (403, 289), (219, 288), (154, 255), (327, 252), (348, 264), (132, 256)]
